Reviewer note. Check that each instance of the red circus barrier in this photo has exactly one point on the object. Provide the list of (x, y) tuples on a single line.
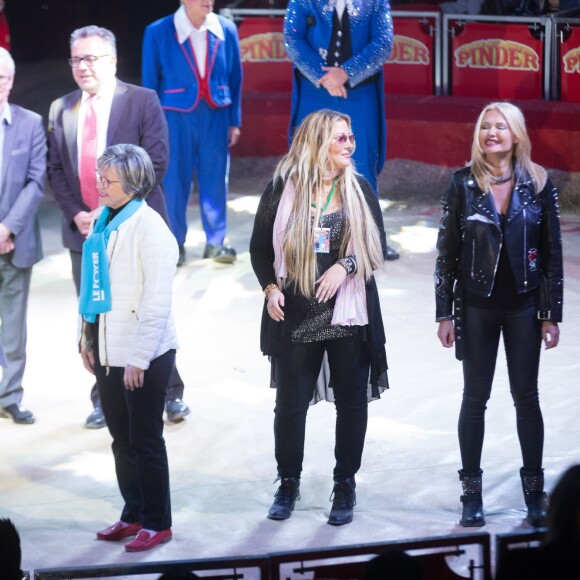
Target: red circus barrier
[(266, 64), (496, 60), (475, 60), (570, 66), (410, 69)]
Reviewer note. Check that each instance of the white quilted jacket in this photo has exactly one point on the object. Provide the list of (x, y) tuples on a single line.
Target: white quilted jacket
[(142, 262)]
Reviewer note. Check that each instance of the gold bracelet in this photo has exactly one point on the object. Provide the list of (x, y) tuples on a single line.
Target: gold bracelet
[(270, 287)]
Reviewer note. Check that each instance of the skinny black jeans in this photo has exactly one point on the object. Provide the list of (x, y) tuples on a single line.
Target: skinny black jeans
[(522, 337), (296, 373), (135, 421)]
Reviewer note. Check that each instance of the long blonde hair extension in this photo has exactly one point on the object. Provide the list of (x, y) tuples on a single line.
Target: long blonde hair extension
[(308, 165)]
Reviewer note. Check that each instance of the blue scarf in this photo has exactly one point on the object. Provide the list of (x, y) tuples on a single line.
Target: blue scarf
[(95, 294)]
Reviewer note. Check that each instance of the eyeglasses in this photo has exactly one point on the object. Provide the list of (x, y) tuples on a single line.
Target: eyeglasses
[(5, 79), (105, 183), (89, 60), (342, 138)]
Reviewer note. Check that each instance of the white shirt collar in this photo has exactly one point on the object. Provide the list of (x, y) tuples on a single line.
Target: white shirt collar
[(184, 26), (6, 115), (106, 93)]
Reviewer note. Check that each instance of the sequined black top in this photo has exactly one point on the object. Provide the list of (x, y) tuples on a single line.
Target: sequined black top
[(315, 325), (276, 337)]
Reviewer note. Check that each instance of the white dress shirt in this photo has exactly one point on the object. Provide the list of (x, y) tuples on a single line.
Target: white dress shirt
[(102, 106), (5, 119), (198, 36)]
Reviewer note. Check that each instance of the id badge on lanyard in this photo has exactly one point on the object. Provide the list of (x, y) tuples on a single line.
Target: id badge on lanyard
[(322, 240), (322, 235)]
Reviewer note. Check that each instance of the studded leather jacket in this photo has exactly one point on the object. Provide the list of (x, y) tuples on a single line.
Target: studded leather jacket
[(470, 240)]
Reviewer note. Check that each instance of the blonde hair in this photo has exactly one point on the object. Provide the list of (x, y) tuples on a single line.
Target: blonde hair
[(307, 165), (521, 154)]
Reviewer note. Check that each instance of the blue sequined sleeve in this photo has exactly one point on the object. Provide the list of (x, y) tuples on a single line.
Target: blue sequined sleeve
[(366, 62), (300, 15), (371, 32)]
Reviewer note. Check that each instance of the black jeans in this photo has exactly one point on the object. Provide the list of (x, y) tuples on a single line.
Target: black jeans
[(522, 339), (296, 372), (135, 421)]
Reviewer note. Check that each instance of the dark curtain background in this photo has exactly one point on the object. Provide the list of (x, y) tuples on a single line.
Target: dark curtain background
[(40, 29)]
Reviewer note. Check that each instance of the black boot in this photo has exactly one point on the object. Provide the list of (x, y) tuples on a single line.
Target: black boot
[(472, 516), (343, 498), (286, 496), (535, 497)]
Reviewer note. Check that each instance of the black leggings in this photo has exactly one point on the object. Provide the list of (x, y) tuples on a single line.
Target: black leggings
[(522, 339)]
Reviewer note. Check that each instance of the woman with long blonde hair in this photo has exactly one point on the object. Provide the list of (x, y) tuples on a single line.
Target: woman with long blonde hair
[(318, 237), (499, 272)]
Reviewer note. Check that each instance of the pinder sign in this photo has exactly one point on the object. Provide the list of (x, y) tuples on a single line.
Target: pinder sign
[(496, 61), (264, 47), (408, 50), (571, 61), (570, 67), (498, 54)]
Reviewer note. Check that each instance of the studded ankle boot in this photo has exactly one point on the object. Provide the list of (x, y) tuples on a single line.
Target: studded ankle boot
[(472, 516), (286, 496), (343, 498), (535, 497)]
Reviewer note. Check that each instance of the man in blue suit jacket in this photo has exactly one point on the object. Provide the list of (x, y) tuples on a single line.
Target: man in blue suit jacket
[(22, 174), (133, 115), (192, 60)]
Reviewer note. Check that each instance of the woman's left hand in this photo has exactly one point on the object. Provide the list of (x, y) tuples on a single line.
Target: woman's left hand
[(133, 378), (550, 334), (329, 282), (88, 358)]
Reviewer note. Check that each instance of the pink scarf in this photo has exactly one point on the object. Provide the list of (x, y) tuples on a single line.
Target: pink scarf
[(351, 301)]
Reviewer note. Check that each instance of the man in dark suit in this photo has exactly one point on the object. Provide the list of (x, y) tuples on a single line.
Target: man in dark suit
[(104, 111), (22, 175)]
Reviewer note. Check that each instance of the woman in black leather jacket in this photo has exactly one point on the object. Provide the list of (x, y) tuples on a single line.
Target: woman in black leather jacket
[(499, 272)]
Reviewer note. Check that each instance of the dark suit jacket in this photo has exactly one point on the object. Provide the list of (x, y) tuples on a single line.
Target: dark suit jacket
[(22, 184), (136, 117)]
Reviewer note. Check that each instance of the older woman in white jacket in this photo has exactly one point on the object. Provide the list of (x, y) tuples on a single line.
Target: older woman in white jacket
[(129, 340)]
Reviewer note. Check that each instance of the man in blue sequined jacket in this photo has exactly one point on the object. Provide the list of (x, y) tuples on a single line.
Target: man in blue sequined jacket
[(338, 48)]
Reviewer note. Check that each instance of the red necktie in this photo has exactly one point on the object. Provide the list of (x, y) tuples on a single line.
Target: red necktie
[(88, 165)]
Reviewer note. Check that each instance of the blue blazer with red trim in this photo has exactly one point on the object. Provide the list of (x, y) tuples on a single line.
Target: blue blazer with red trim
[(169, 68)]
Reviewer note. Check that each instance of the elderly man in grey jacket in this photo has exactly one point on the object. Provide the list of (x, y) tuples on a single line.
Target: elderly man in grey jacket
[(22, 174)]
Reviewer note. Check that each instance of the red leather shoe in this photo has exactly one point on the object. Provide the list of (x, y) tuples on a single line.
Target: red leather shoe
[(147, 540), (118, 531)]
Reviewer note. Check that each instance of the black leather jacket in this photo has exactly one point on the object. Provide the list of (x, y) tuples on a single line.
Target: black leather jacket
[(470, 240)]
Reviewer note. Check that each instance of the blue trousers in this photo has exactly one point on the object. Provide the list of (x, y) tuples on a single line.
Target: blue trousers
[(362, 106), (198, 146)]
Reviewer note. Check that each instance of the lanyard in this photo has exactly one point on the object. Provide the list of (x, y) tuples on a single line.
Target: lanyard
[(329, 198)]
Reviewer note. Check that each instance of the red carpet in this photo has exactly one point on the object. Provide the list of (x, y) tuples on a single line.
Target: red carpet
[(436, 130)]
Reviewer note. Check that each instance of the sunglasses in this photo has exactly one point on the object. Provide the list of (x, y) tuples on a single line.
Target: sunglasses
[(342, 138)]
